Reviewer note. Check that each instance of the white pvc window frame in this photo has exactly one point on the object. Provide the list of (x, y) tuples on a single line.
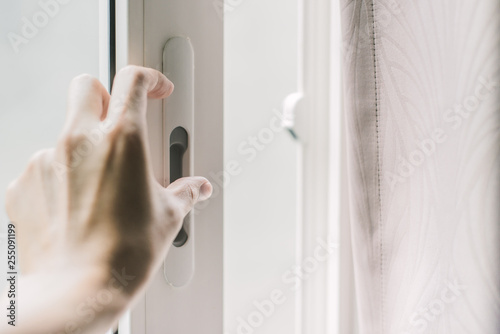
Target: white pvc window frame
[(321, 160), (323, 212)]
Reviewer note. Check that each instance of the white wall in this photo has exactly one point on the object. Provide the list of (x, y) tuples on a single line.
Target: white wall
[(260, 220), (34, 81)]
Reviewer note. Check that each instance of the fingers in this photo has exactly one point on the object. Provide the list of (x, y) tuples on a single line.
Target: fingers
[(189, 191), (87, 103), (132, 86), (93, 114), (88, 99)]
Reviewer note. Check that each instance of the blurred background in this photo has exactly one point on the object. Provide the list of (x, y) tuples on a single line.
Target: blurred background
[(37, 65)]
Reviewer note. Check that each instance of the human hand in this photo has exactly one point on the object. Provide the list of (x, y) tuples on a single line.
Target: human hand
[(92, 206)]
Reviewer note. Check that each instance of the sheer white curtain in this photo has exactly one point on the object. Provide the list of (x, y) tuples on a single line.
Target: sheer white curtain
[(421, 96)]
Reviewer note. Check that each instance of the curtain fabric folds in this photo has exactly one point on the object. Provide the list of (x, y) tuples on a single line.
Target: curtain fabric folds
[(422, 105)]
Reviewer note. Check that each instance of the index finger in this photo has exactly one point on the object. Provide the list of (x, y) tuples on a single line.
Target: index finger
[(131, 88)]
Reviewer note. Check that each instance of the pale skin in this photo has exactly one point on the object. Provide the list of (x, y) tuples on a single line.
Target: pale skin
[(92, 224)]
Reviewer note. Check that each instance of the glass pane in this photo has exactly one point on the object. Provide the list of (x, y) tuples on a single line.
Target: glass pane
[(44, 45), (260, 64)]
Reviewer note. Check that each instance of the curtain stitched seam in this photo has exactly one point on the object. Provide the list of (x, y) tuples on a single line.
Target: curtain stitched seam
[(377, 133)]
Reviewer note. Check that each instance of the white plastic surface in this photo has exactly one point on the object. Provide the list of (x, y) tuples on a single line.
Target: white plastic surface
[(147, 26)]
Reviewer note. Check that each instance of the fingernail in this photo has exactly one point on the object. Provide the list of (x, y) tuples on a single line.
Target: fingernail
[(172, 87), (205, 191)]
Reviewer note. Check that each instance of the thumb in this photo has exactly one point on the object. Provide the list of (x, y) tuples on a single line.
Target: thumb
[(190, 190)]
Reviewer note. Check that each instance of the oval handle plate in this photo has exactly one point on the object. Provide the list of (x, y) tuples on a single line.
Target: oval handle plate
[(178, 66)]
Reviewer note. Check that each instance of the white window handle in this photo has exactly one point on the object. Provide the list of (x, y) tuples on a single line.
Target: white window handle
[(178, 66)]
